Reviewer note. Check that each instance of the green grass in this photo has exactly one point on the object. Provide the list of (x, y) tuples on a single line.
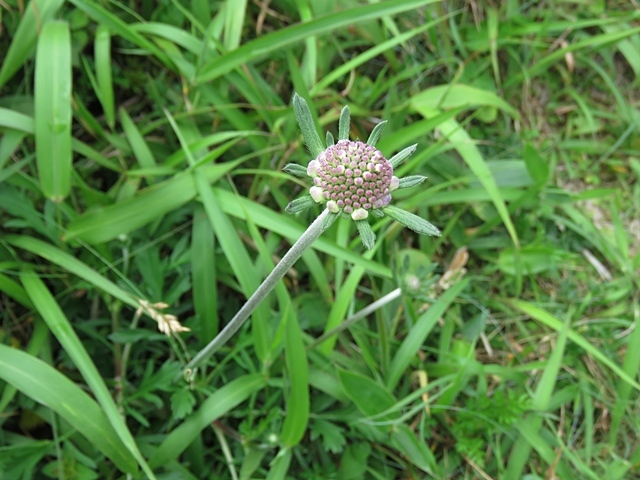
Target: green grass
[(142, 147)]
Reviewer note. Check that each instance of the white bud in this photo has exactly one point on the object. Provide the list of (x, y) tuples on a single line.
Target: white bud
[(395, 183), (333, 206), (317, 194), (312, 168), (359, 214)]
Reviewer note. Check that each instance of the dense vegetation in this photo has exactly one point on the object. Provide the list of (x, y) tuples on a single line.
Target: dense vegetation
[(141, 188)]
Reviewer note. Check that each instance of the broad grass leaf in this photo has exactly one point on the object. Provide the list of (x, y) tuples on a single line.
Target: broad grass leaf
[(353, 464), (445, 97), (530, 259), (53, 110), (415, 450), (369, 397)]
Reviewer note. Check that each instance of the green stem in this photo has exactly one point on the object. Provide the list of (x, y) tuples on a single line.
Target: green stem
[(290, 258)]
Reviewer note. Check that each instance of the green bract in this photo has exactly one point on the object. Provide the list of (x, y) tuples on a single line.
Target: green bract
[(353, 178)]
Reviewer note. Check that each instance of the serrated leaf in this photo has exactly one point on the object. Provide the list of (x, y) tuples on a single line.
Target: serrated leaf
[(217, 404), (182, 402), (331, 435), (409, 220), (353, 464)]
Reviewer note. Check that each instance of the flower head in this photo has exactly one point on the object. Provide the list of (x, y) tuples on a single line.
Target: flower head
[(353, 178)]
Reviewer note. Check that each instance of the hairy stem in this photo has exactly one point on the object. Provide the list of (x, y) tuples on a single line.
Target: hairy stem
[(290, 258), (369, 309)]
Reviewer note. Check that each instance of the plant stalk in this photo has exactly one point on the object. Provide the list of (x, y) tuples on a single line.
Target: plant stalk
[(269, 283)]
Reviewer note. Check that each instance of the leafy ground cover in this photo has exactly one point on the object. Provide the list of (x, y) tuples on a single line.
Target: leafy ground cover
[(142, 193)]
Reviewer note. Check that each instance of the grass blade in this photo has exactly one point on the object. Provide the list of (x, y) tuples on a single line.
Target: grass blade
[(280, 465), (295, 423), (446, 97), (53, 110), (339, 308), (473, 158), (234, 12), (141, 150), (203, 273), (418, 333), (631, 366), (520, 451), (126, 31), (46, 385), (38, 12), (239, 259), (214, 407), (232, 246), (280, 39), (367, 395), (550, 321), (73, 265), (102, 54), (59, 325), (106, 223)]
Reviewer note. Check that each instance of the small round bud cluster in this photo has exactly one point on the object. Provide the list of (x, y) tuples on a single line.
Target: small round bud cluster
[(352, 177)]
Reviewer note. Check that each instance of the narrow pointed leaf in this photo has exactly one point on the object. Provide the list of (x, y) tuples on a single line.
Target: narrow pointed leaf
[(308, 127), (409, 220), (419, 332), (53, 110), (366, 234), (411, 181), (300, 204), (375, 133), (329, 139), (344, 124), (295, 169), (328, 221), (401, 156)]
